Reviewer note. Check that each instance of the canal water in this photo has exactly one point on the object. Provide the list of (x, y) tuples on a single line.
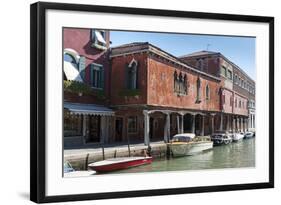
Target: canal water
[(234, 155)]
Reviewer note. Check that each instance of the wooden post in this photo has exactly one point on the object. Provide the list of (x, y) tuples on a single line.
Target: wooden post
[(87, 161), (168, 151), (129, 150), (103, 157)]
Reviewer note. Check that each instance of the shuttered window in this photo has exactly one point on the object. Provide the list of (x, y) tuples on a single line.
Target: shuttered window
[(97, 76)]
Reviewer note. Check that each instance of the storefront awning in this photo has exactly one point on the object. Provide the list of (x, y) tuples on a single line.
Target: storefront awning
[(88, 109)]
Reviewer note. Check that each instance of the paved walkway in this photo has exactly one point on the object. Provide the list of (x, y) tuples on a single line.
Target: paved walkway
[(96, 149)]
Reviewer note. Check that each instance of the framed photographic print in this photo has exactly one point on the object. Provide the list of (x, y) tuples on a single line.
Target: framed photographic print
[(129, 102)]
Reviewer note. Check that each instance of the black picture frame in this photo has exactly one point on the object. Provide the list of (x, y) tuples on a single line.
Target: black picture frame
[(38, 100)]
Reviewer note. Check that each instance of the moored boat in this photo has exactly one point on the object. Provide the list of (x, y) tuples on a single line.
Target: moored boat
[(69, 171), (114, 164), (221, 138), (248, 135), (237, 136), (188, 144)]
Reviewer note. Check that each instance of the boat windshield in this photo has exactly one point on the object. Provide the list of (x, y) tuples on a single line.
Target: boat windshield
[(182, 139)]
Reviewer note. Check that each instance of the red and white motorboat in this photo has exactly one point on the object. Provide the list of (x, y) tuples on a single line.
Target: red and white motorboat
[(113, 164)]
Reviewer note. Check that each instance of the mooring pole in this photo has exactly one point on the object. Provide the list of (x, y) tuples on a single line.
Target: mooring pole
[(87, 161), (129, 150), (168, 151), (103, 157)]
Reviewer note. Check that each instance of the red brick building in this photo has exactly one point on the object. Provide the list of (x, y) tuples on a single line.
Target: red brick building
[(235, 97), (168, 96), (147, 93), (87, 118)]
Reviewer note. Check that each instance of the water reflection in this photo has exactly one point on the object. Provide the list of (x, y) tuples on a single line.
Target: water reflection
[(234, 155)]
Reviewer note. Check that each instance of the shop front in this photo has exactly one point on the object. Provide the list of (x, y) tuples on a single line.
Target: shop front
[(86, 124)]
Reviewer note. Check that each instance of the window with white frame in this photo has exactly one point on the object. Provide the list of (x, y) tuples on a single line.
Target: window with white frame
[(97, 76), (98, 39)]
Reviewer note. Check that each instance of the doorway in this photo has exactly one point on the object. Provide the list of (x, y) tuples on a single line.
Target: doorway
[(94, 129)]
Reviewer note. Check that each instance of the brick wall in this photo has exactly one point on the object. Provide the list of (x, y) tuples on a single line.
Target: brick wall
[(242, 108), (79, 40), (227, 101), (118, 80), (161, 88), (211, 63)]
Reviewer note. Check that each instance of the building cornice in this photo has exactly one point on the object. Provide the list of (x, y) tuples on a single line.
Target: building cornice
[(222, 56), (150, 49)]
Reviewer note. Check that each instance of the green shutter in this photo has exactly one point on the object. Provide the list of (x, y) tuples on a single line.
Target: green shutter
[(101, 78), (92, 75), (93, 35), (81, 67)]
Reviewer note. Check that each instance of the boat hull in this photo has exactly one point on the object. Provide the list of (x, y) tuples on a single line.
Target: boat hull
[(186, 149), (119, 164), (237, 137), (248, 135), (221, 141)]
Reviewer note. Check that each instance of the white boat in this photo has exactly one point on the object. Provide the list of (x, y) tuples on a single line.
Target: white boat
[(249, 135), (237, 136), (187, 144), (221, 138), (69, 171)]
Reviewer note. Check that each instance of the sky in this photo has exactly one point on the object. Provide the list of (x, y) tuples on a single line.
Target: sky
[(239, 50)]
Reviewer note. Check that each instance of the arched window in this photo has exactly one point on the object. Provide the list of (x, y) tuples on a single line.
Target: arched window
[(180, 83), (207, 92), (175, 81), (198, 90), (69, 58), (71, 65), (132, 71), (185, 84)]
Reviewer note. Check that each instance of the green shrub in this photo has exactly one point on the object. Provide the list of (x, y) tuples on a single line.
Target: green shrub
[(76, 87)]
